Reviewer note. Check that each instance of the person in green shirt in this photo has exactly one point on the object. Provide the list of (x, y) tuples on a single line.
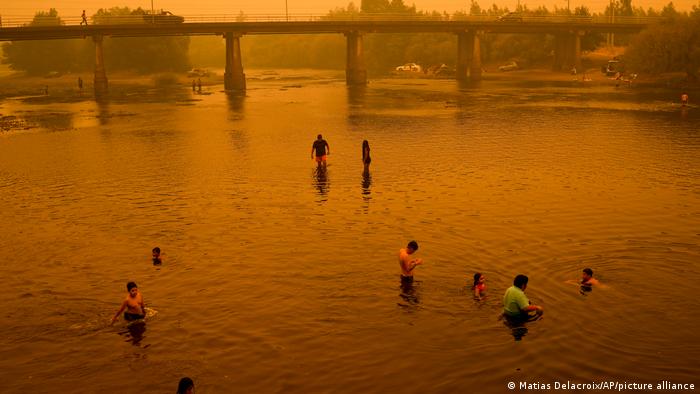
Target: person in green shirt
[(515, 302)]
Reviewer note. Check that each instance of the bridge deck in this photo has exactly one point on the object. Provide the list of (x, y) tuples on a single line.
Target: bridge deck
[(194, 26)]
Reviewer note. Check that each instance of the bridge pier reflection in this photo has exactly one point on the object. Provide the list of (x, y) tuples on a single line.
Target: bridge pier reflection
[(355, 70), (234, 78), (100, 81), (468, 56)]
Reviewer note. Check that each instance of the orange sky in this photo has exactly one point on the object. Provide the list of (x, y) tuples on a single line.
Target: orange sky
[(189, 7)]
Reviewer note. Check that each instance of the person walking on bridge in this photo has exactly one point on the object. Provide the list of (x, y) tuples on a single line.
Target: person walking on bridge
[(84, 19)]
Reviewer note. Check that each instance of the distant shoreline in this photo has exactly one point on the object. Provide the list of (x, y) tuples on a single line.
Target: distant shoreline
[(18, 84)]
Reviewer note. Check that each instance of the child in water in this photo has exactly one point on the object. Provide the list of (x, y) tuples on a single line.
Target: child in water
[(156, 256), (135, 308), (479, 286)]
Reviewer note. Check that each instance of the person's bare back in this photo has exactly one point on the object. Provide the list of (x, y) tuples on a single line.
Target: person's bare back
[(405, 261)]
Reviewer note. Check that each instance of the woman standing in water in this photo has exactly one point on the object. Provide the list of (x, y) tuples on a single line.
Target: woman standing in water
[(365, 155)]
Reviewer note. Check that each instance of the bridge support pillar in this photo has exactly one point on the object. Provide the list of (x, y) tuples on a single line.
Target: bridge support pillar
[(468, 56), (100, 82), (567, 51), (559, 52), (465, 48), (576, 47), (355, 70), (475, 68), (234, 78)]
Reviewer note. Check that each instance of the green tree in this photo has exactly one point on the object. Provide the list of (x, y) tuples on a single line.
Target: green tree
[(41, 57), (142, 54), (374, 6), (668, 47), (474, 8)]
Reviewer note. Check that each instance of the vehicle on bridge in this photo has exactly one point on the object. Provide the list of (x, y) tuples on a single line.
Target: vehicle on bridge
[(162, 17), (511, 17), (139, 17)]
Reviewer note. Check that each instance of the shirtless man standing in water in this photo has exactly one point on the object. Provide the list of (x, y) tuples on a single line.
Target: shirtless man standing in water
[(407, 265), (135, 308)]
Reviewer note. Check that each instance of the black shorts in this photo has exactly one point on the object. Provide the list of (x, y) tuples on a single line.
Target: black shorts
[(133, 316), (406, 280)]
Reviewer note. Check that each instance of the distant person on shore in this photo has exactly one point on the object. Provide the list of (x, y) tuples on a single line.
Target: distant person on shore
[(684, 99), (46, 90), (408, 265), (366, 159), (186, 386), (157, 260), (320, 151), (84, 19), (515, 302), (194, 85), (80, 83), (479, 286), (587, 279), (135, 308), (199, 85)]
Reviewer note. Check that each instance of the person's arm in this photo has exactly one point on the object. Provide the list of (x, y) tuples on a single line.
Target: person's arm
[(525, 306), (328, 149), (477, 293), (415, 263), (312, 151), (143, 307), (119, 312)]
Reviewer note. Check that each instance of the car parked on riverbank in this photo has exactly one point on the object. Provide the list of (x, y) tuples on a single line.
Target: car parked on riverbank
[(198, 72), (410, 67), (510, 66)]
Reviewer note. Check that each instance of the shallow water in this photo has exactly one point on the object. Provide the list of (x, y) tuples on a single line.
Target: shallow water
[(278, 278)]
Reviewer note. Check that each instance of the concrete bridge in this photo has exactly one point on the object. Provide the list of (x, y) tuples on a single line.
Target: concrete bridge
[(567, 29)]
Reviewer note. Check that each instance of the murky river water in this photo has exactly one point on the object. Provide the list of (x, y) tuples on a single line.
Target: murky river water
[(280, 279)]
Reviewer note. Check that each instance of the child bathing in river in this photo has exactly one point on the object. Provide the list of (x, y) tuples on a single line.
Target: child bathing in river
[(157, 260), (479, 286), (135, 308)]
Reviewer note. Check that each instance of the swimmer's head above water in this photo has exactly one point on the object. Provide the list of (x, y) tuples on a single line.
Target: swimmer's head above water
[(132, 288), (156, 255), (520, 281), (586, 276), (412, 247), (478, 279), (185, 386)]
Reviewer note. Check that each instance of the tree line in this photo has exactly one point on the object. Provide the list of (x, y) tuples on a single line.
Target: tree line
[(142, 54)]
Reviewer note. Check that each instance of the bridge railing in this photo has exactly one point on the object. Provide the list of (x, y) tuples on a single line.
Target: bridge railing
[(10, 21)]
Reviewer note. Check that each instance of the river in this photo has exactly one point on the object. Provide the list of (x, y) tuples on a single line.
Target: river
[(279, 278)]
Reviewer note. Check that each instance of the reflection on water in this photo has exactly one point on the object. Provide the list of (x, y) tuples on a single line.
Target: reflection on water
[(321, 181), (103, 113), (366, 184), (409, 293), (236, 102), (516, 325), (134, 333), (294, 288)]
